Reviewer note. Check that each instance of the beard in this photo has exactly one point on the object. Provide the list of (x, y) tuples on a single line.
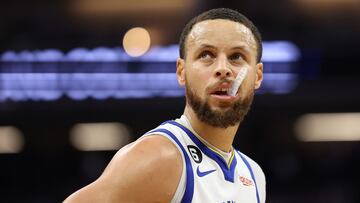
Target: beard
[(218, 118)]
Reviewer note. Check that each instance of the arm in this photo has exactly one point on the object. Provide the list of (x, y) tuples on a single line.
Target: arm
[(147, 170)]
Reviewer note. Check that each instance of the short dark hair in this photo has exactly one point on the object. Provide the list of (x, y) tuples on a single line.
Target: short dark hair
[(221, 13)]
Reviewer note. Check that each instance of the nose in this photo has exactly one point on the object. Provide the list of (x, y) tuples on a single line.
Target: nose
[(223, 72), (222, 69)]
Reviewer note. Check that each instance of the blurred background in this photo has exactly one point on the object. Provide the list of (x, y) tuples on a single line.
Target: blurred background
[(79, 79)]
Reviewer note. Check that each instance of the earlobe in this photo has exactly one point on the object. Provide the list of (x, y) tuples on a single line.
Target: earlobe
[(180, 71), (259, 75)]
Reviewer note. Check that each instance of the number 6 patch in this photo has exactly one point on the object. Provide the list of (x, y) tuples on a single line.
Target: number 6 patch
[(195, 153)]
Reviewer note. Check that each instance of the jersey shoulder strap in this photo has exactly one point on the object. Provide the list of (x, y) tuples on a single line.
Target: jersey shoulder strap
[(251, 172), (189, 188)]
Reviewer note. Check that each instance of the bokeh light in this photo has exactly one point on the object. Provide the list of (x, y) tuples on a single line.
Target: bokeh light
[(136, 41), (99, 136), (11, 140)]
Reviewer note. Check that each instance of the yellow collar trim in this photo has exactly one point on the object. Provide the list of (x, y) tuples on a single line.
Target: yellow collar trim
[(212, 148)]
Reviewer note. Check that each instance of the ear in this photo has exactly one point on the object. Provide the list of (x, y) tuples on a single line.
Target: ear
[(259, 75), (180, 71)]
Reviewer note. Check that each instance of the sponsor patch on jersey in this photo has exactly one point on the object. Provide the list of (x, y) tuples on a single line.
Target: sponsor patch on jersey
[(246, 181), (195, 153)]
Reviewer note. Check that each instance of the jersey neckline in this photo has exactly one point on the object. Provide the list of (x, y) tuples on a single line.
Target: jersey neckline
[(228, 169)]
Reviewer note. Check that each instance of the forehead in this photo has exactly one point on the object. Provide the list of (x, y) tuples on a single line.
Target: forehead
[(220, 33)]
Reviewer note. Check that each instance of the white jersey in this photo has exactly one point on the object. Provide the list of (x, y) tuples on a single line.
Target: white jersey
[(206, 176)]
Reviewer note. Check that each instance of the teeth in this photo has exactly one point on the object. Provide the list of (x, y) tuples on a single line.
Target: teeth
[(224, 89)]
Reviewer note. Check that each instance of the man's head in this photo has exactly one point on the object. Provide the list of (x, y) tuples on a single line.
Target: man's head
[(220, 13), (214, 46)]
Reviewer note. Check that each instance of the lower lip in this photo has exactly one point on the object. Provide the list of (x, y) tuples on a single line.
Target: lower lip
[(224, 98)]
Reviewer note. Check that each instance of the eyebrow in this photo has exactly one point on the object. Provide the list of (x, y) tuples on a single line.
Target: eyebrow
[(244, 48), (209, 46)]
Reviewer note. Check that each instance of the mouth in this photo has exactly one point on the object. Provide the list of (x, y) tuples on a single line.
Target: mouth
[(222, 95), (221, 92)]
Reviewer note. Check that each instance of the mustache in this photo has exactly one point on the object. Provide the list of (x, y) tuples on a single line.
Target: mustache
[(218, 83)]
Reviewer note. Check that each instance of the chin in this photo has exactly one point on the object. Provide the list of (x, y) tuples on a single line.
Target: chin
[(221, 107)]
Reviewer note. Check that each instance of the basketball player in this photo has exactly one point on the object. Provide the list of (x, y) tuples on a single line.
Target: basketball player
[(191, 159)]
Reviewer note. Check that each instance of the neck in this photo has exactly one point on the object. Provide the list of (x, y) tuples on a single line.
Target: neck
[(221, 138)]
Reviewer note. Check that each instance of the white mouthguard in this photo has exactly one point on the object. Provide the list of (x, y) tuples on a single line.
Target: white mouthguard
[(237, 82)]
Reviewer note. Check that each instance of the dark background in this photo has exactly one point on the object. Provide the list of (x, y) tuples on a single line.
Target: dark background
[(326, 31)]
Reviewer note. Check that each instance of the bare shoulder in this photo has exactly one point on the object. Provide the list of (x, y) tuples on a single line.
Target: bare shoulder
[(147, 170)]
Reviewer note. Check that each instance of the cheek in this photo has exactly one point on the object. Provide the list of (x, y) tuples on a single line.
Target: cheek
[(195, 84), (198, 77)]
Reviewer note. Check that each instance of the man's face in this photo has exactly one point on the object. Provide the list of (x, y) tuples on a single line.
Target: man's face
[(215, 52)]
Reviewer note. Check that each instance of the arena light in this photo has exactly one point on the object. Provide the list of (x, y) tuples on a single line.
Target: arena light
[(11, 140), (104, 72), (328, 127), (273, 51), (280, 51), (125, 8), (136, 41), (99, 136), (79, 86), (320, 5), (279, 83)]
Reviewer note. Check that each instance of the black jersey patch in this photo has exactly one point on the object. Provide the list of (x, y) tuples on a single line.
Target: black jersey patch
[(195, 153)]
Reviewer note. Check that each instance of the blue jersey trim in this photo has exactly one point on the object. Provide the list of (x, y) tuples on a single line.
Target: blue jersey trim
[(229, 172), (189, 190), (252, 174)]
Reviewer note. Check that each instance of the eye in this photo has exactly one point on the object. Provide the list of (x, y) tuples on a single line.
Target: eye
[(235, 57), (206, 55)]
